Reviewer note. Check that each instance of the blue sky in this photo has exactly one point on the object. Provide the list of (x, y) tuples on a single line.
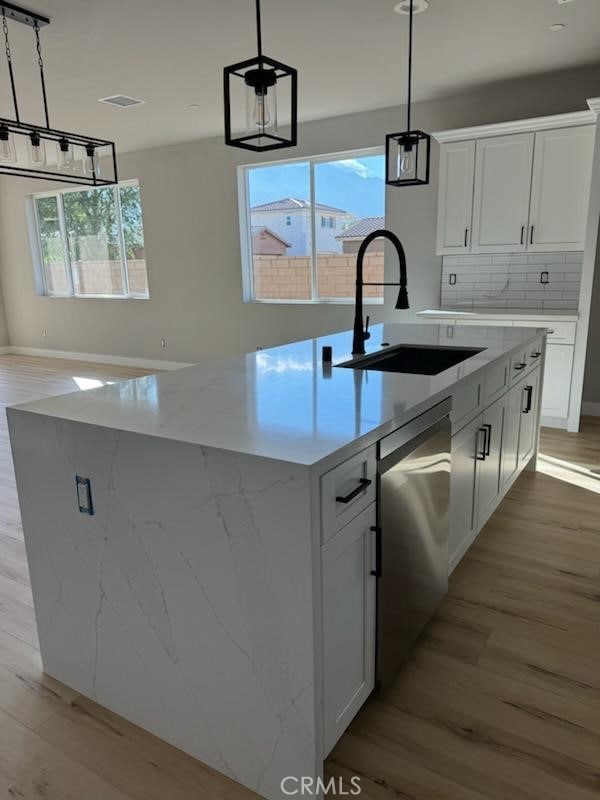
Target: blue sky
[(355, 184)]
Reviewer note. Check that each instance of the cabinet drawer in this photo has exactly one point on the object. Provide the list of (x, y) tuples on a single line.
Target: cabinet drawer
[(346, 490), (467, 402), (518, 365), (534, 354), (496, 382)]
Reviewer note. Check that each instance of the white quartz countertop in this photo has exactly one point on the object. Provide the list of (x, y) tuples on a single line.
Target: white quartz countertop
[(282, 403), (555, 314)]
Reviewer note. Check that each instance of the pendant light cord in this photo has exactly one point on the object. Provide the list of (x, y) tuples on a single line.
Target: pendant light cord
[(410, 58), (258, 30), (10, 66), (38, 46)]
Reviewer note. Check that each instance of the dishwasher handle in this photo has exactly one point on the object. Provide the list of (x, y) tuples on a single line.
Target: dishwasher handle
[(347, 498)]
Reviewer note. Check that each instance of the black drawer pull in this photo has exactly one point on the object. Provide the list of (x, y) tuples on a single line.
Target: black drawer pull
[(529, 393), (480, 454), (520, 366), (363, 483), (377, 571), (488, 438), (536, 355)]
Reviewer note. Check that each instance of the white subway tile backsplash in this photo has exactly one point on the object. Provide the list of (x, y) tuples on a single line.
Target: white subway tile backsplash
[(512, 281)]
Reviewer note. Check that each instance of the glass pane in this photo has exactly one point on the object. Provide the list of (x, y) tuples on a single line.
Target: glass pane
[(92, 234), (133, 234), (53, 258), (350, 204), (280, 221)]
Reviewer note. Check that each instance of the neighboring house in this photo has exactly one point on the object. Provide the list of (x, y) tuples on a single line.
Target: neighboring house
[(351, 238), (290, 219), (267, 243)]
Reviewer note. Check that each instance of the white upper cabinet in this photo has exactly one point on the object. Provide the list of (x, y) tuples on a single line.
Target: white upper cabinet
[(560, 189), (455, 202), (518, 192), (502, 192)]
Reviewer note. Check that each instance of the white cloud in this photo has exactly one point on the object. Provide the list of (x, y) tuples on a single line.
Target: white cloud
[(356, 166)]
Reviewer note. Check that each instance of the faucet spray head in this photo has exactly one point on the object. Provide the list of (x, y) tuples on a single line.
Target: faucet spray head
[(402, 301)]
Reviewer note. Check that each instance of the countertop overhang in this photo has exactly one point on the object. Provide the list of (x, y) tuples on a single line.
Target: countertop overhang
[(282, 403)]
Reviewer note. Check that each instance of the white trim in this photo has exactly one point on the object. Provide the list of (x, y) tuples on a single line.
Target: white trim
[(594, 104), (95, 358), (519, 126), (590, 409), (553, 422)]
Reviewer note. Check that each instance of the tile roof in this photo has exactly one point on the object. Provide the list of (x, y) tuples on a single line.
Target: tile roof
[(362, 227), (293, 204), (257, 229)]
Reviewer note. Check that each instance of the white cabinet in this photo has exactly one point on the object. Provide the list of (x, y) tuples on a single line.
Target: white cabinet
[(455, 201), (560, 189), (556, 391), (524, 192), (349, 587), (529, 405), (510, 442), (490, 460), (467, 445), (502, 191)]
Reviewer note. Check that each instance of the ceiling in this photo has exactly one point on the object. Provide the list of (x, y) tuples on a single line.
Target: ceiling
[(351, 56)]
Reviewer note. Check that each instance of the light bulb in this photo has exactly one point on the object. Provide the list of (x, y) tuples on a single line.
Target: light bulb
[(261, 113), (66, 158), (8, 154), (406, 162), (91, 163), (37, 150)]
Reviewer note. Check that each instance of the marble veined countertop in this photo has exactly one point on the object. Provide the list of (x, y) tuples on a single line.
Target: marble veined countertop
[(555, 314), (282, 403)]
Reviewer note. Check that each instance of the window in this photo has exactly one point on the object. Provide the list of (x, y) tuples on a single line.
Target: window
[(316, 260), (91, 242)]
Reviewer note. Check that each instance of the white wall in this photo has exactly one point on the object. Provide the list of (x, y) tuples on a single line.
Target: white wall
[(189, 194)]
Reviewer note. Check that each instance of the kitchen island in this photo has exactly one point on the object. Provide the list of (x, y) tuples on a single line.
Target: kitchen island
[(193, 599)]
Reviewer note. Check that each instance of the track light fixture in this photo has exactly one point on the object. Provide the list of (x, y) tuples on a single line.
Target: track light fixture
[(39, 151)]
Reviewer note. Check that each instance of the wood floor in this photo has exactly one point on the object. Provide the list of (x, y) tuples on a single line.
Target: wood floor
[(500, 699)]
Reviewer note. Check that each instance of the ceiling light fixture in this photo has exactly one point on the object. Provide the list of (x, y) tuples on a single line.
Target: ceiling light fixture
[(407, 154), (418, 7), (558, 26), (261, 80), (33, 160)]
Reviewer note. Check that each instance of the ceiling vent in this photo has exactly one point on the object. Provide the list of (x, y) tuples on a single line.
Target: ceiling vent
[(121, 100)]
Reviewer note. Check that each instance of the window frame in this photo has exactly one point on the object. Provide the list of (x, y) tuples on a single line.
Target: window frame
[(243, 172), (38, 252)]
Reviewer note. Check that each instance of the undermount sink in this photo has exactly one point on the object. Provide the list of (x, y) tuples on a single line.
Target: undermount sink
[(415, 359)]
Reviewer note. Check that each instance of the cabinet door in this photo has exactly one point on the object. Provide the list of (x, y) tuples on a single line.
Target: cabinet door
[(562, 169), (502, 191), (455, 200), (348, 623), (529, 398), (510, 440), (466, 445), (556, 391), (489, 472)]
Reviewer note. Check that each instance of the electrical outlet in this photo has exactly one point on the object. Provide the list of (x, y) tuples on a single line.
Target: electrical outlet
[(84, 495), (163, 342)]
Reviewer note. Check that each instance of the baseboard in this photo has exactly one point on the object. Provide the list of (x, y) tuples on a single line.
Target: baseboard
[(590, 409), (94, 358), (553, 422)]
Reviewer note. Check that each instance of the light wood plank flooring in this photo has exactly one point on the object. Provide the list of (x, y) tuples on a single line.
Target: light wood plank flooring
[(500, 699)]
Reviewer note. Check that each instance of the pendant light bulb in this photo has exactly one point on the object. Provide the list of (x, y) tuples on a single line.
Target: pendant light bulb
[(261, 113), (37, 150), (66, 157), (91, 164), (406, 163), (8, 153)]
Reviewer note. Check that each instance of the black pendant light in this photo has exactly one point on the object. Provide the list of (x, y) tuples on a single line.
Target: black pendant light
[(251, 102), (48, 153), (407, 154)]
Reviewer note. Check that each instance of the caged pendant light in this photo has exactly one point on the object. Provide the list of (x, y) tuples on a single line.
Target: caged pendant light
[(45, 152), (407, 154), (251, 92)]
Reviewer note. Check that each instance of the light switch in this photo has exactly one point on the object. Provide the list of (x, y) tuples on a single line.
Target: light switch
[(84, 495)]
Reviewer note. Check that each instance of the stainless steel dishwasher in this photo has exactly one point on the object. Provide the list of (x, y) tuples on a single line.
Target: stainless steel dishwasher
[(412, 533)]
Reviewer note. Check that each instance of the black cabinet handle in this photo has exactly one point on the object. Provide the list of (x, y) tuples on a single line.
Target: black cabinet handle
[(531, 235), (522, 234), (466, 237), (377, 571), (537, 354), (481, 454), (529, 393), (521, 365), (488, 438), (363, 483)]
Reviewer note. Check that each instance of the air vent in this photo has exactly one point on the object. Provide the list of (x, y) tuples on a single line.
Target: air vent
[(121, 100)]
